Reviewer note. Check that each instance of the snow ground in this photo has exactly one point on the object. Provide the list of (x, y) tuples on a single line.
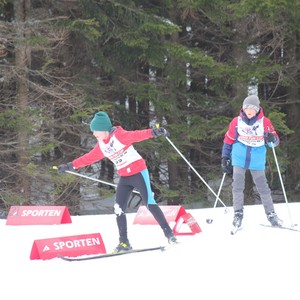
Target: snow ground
[(257, 263)]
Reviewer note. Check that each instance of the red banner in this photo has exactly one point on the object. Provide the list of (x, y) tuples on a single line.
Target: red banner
[(71, 246), (38, 215), (173, 213)]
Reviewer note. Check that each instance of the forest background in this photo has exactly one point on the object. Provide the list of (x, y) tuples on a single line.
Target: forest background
[(186, 65)]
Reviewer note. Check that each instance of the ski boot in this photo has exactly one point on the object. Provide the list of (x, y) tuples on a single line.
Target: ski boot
[(238, 217), (237, 220), (123, 247), (273, 219), (169, 234)]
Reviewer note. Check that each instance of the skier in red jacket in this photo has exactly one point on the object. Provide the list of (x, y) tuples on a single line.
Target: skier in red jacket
[(115, 143), (244, 148)]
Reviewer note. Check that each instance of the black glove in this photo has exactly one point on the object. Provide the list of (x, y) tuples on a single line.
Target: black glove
[(66, 167), (156, 132), (271, 138), (226, 165)]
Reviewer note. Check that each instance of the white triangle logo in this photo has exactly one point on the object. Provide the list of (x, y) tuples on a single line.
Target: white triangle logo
[(46, 248)]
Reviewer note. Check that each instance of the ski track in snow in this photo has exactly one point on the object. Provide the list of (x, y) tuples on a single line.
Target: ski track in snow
[(256, 263)]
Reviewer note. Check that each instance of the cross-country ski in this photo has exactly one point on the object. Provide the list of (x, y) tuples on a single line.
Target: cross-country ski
[(106, 255), (281, 227)]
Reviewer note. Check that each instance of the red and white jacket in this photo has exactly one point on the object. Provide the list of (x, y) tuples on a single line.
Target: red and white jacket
[(119, 149)]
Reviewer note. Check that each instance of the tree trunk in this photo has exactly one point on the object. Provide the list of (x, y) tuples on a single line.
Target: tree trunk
[(293, 113), (22, 55)]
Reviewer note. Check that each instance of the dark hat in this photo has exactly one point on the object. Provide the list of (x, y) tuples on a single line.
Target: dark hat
[(101, 122), (251, 102)]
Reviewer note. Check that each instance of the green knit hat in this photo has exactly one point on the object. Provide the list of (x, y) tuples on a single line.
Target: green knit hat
[(101, 122)]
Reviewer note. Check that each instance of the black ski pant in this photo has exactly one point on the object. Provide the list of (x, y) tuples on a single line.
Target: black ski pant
[(141, 183)]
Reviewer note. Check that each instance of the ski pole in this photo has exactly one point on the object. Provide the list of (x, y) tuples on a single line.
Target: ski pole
[(282, 185), (195, 171), (91, 178), (210, 220)]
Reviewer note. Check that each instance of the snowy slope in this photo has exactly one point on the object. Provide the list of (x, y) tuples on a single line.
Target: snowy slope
[(257, 263)]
